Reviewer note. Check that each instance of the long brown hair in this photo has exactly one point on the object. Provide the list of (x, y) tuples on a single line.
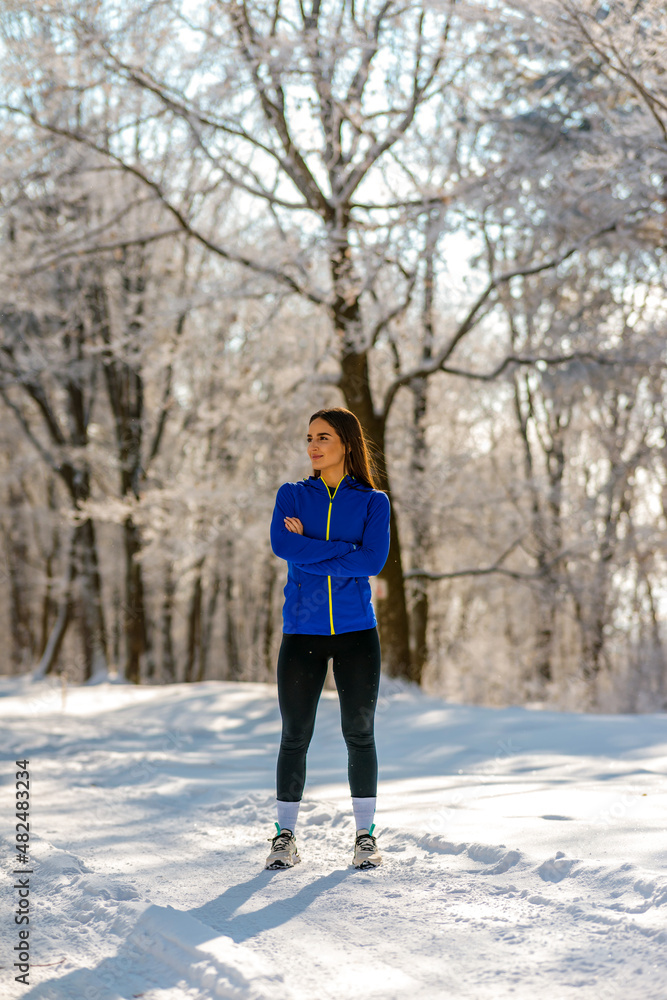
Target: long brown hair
[(358, 460)]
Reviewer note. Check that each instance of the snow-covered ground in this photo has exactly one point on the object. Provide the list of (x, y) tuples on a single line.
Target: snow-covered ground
[(525, 851)]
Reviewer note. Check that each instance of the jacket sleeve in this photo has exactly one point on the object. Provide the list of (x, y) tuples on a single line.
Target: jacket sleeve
[(298, 548), (368, 558)]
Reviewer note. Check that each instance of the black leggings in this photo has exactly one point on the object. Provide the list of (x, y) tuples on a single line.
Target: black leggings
[(302, 670)]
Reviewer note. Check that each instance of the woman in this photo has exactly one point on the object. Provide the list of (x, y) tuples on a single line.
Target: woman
[(333, 530)]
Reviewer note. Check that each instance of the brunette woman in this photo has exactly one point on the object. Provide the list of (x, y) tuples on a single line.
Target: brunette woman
[(332, 528)]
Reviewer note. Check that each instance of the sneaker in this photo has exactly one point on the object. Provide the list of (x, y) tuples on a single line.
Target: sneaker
[(284, 852), (366, 854)]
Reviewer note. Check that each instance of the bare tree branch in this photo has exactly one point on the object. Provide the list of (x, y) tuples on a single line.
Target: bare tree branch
[(497, 567), (101, 248), (20, 416), (652, 101), (438, 362), (274, 111), (380, 146), (561, 359), (183, 222)]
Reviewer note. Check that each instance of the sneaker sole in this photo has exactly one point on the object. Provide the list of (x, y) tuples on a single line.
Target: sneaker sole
[(278, 865), (364, 866)]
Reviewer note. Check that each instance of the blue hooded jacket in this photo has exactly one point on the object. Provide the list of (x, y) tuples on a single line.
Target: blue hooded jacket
[(345, 540)]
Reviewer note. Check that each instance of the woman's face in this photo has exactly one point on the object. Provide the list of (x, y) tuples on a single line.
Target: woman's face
[(325, 448)]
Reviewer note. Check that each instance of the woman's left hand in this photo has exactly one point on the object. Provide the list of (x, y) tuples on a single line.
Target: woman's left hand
[(294, 524)]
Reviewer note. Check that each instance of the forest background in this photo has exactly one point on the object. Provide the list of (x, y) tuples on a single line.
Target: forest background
[(449, 217)]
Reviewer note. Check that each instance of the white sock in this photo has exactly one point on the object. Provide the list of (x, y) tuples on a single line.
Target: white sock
[(364, 810), (287, 814)]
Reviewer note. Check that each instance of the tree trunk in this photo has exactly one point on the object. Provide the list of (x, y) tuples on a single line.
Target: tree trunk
[(231, 643), (546, 535), (136, 638), (23, 639), (93, 631), (168, 658), (207, 631), (419, 612), (544, 640), (54, 642), (392, 612), (194, 627), (125, 390), (49, 606), (267, 662), (233, 663), (117, 627)]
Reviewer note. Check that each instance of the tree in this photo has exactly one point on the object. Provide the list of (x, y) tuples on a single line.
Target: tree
[(327, 162), (314, 119), (87, 316)]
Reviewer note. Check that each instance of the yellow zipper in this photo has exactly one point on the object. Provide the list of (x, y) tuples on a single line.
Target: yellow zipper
[(331, 498)]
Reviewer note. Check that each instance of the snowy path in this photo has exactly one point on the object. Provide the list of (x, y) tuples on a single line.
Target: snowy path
[(523, 850)]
